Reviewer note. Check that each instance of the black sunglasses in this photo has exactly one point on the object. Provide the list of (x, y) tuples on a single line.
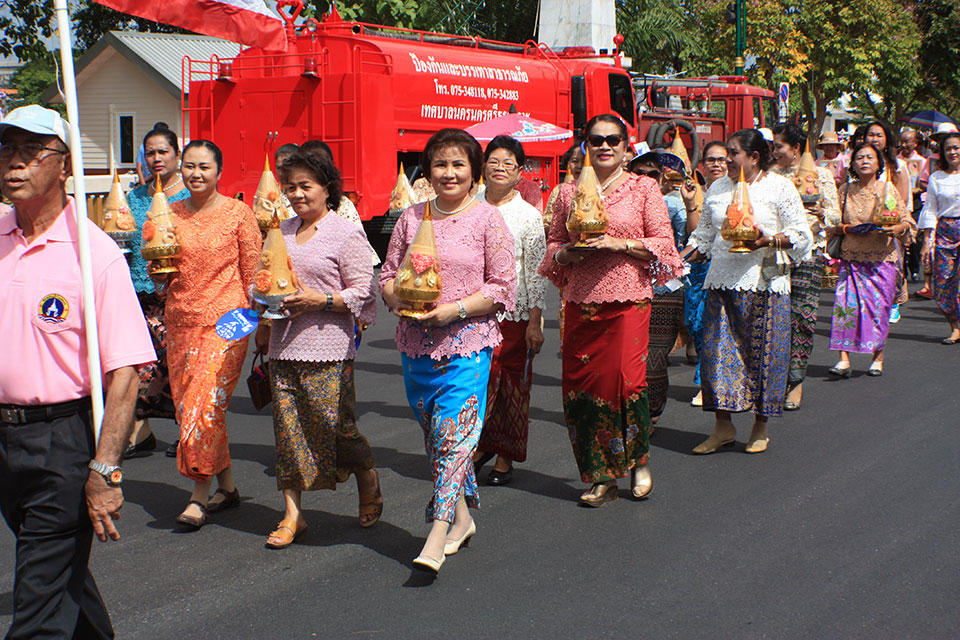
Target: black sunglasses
[(653, 173), (597, 140)]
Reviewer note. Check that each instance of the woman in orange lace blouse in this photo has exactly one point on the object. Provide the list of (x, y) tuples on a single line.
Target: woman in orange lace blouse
[(219, 252)]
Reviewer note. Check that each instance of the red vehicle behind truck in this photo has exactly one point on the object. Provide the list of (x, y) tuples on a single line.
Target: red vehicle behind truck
[(375, 94)]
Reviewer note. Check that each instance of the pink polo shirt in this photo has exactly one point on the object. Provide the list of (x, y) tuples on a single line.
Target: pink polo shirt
[(43, 348)]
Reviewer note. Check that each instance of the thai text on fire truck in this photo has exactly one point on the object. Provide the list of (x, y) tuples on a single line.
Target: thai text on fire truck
[(430, 65)]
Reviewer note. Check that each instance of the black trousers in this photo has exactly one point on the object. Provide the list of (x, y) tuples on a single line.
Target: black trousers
[(43, 469)]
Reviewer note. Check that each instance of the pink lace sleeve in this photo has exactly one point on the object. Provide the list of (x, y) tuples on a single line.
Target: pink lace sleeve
[(396, 249), (356, 271), (558, 236), (499, 264), (250, 242), (658, 236)]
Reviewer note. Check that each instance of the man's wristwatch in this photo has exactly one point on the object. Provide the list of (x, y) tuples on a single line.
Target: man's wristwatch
[(113, 475), (462, 313)]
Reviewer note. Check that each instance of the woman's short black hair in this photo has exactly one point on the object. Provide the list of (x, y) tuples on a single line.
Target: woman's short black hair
[(942, 160), (161, 129), (317, 147), (568, 156), (324, 172), (285, 150), (863, 145), (610, 119), (510, 144), (712, 144), (459, 139), (209, 146), (791, 133), (751, 141)]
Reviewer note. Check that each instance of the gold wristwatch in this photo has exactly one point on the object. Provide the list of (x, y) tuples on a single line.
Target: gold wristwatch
[(630, 245)]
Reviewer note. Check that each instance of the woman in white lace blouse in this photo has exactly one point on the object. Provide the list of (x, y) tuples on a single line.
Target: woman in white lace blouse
[(746, 322), (511, 371)]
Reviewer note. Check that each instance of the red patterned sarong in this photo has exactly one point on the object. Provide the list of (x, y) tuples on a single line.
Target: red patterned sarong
[(507, 424)]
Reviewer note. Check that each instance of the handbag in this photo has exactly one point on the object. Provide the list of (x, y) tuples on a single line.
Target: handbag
[(835, 243), (775, 263), (258, 382)]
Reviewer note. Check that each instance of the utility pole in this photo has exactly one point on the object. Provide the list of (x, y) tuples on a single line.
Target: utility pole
[(736, 15)]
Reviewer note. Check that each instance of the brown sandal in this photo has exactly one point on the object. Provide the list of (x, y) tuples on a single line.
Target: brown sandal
[(371, 505), (193, 521), (230, 499), (287, 531)]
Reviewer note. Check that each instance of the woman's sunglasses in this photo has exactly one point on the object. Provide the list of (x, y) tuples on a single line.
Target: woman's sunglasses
[(612, 140), (651, 173)]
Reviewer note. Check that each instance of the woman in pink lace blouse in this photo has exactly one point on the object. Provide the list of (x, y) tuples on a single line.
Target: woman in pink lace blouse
[(607, 292), (312, 351), (446, 354)]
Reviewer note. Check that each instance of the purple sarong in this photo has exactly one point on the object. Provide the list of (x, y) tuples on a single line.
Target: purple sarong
[(946, 268), (861, 310)]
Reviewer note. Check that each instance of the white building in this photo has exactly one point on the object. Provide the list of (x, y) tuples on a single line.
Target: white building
[(127, 82)]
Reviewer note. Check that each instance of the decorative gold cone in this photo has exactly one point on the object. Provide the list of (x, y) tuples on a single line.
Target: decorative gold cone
[(118, 222), (267, 200), (588, 216), (738, 227), (886, 213), (275, 275), (402, 195), (806, 178), (160, 243), (677, 149), (418, 280)]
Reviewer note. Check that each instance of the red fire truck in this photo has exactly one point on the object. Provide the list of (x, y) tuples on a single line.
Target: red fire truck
[(375, 94)]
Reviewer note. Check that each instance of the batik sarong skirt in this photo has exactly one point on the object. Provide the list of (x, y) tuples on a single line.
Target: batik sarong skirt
[(861, 307), (204, 370), (449, 399), (946, 268), (154, 399), (666, 316), (746, 351), (315, 424), (806, 279), (507, 423), (694, 300), (605, 387)]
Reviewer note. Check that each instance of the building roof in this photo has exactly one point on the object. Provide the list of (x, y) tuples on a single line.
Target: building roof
[(159, 55)]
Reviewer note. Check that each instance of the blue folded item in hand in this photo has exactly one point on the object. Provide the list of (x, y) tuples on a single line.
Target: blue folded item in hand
[(866, 227)]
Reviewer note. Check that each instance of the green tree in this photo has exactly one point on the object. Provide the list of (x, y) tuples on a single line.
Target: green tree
[(24, 25), (661, 36), (939, 22)]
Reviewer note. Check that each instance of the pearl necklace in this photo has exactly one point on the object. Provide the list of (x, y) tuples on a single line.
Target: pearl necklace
[(611, 180), (455, 211), (170, 186)]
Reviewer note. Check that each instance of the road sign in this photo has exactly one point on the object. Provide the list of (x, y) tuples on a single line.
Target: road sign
[(784, 100)]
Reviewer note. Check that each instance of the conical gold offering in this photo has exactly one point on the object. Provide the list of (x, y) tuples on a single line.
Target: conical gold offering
[(268, 200), (275, 279), (886, 213), (806, 178), (160, 243), (418, 280), (118, 222), (738, 227), (677, 149), (588, 216), (402, 195)]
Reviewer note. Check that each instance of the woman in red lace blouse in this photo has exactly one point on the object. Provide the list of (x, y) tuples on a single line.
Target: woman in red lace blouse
[(607, 292)]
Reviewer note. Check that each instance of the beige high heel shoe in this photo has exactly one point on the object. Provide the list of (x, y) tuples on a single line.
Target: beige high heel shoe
[(599, 494), (450, 547)]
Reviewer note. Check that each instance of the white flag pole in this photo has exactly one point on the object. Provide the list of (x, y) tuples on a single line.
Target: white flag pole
[(80, 195)]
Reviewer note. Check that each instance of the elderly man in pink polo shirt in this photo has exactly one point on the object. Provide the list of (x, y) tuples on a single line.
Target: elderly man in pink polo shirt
[(56, 487)]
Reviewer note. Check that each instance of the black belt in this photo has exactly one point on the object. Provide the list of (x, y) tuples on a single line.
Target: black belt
[(16, 414)]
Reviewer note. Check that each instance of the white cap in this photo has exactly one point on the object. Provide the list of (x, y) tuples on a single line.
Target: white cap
[(37, 119), (766, 133), (946, 127)]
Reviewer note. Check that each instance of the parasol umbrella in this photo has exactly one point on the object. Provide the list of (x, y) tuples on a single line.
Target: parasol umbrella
[(522, 128), (929, 119)]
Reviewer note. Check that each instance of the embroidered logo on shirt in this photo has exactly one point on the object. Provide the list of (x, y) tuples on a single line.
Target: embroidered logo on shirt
[(54, 308)]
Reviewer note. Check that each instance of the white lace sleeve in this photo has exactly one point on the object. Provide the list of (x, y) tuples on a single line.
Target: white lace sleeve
[(534, 249)]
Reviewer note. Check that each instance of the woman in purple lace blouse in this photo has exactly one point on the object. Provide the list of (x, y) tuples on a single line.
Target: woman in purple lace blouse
[(446, 353), (312, 351)]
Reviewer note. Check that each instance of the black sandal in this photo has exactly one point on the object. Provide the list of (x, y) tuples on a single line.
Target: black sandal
[(193, 521)]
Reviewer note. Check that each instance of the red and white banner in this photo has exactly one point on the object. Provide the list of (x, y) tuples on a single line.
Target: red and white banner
[(248, 22)]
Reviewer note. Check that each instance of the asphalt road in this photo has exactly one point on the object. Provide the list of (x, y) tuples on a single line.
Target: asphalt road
[(846, 528)]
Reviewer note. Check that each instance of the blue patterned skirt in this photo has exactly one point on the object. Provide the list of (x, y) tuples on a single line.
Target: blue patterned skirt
[(694, 299), (449, 399), (746, 351)]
